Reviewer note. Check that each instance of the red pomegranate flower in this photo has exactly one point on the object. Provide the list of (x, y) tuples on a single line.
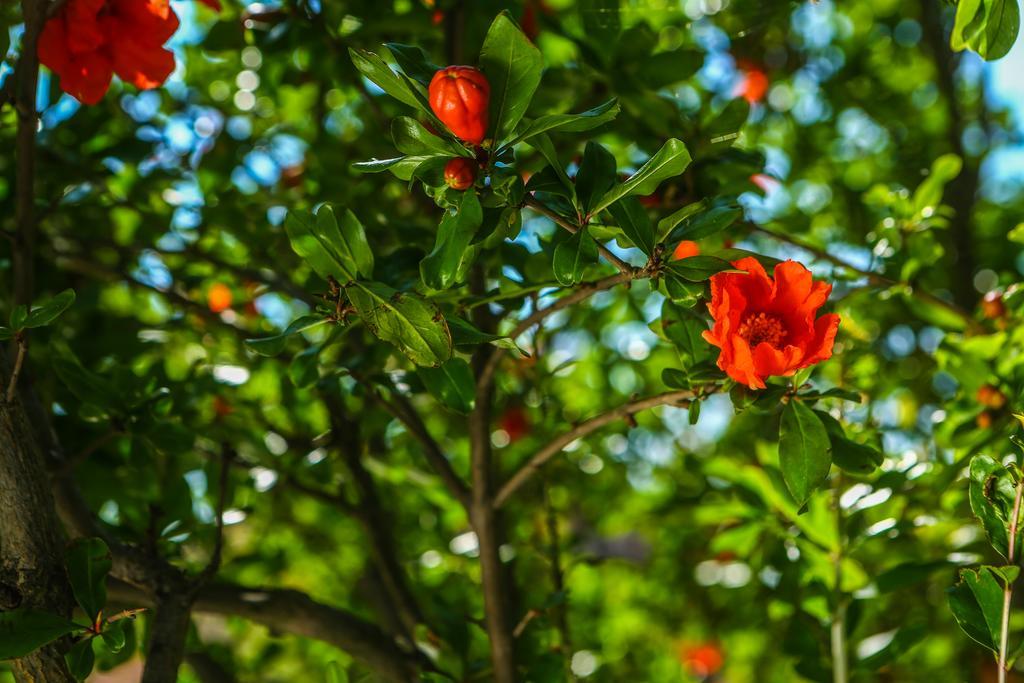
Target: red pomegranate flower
[(766, 326), (91, 40)]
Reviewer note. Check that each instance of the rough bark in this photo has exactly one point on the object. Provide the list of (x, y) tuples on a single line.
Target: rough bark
[(31, 541)]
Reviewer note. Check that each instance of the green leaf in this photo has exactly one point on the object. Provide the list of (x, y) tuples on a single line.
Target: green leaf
[(348, 239), (452, 384), (413, 61), (702, 224), (977, 605), (304, 369), (378, 72), (80, 659), (929, 193), (682, 291), (513, 66), (89, 562), (48, 311), (335, 674), (441, 268), (675, 378), (271, 346), (671, 160), (317, 248), (698, 268), (572, 255), (905, 638), (412, 138), (413, 325), (989, 27), (684, 328), (465, 333), (114, 636), (635, 223), (908, 574), (542, 143), (6, 333), (18, 316), (991, 493), (595, 177), (804, 450), (847, 454), (568, 123), (24, 630)]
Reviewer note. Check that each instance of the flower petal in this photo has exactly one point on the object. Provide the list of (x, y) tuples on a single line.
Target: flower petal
[(825, 329), (143, 67)]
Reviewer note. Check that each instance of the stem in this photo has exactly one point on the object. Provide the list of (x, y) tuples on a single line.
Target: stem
[(19, 361), (840, 665), (1011, 558), (581, 430), (563, 222)]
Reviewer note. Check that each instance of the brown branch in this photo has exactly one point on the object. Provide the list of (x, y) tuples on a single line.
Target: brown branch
[(371, 514), (555, 446), (579, 293), (402, 409), (571, 227), (295, 612)]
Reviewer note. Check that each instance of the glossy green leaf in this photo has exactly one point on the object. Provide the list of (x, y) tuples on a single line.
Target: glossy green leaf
[(452, 384), (684, 328), (572, 256), (81, 658), (977, 605), (513, 67), (271, 346), (46, 312), (378, 72), (441, 268), (852, 457), (568, 123), (416, 327), (412, 138), (671, 160), (304, 370), (24, 630), (701, 224), (991, 492), (347, 239), (595, 177), (988, 27), (89, 562), (413, 62), (698, 268), (114, 636), (804, 451), (635, 223)]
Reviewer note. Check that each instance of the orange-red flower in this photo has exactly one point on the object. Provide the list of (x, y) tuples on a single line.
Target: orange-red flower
[(767, 326), (91, 40)]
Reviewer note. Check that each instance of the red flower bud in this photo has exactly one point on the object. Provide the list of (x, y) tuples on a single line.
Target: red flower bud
[(990, 397), (459, 173), (685, 249), (458, 97)]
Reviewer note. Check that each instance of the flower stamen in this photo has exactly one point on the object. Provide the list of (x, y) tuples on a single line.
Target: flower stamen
[(762, 327)]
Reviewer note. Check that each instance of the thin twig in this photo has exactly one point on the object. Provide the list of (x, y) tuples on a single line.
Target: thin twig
[(555, 446), (1011, 559), (19, 361), (840, 666), (877, 279), (568, 225)]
